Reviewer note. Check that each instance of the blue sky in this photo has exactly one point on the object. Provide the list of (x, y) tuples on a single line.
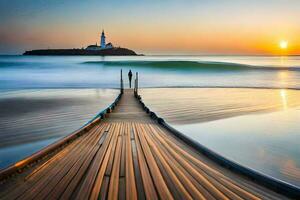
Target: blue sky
[(178, 26)]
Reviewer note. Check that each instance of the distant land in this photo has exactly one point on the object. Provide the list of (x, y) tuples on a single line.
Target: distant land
[(104, 49), (115, 51)]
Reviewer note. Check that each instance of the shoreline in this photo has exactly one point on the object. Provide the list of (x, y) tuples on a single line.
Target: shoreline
[(154, 87), (200, 111)]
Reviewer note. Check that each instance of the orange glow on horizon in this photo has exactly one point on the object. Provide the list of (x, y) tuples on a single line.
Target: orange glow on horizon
[(162, 27), (169, 39)]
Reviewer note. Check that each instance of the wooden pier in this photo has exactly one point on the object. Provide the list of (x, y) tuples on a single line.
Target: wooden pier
[(127, 155)]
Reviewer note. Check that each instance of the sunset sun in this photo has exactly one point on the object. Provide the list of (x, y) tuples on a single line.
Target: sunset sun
[(283, 44)]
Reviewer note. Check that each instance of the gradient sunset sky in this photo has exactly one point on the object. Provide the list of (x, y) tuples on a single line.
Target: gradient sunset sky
[(153, 26)]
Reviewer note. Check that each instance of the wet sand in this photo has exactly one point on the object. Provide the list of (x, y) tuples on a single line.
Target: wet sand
[(194, 105), (42, 114), (32, 119)]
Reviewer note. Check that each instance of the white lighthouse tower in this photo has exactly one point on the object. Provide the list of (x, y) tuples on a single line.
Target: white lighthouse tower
[(102, 42), (102, 46)]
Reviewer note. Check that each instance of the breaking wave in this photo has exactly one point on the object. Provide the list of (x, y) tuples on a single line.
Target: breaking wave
[(188, 65)]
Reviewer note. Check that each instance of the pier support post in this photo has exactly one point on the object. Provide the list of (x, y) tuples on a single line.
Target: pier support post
[(136, 84), (121, 83)]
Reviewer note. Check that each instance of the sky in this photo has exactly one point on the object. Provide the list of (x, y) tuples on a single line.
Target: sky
[(153, 26)]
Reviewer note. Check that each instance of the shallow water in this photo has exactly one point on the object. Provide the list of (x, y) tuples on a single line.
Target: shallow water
[(32, 119), (258, 128), (194, 105), (268, 143)]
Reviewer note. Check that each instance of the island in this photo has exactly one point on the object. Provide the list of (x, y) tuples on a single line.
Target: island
[(82, 52), (91, 50)]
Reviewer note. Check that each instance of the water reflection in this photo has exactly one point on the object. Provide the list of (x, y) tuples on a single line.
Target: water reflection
[(193, 105), (258, 128), (268, 143), (291, 169), (284, 61), (283, 77), (284, 99)]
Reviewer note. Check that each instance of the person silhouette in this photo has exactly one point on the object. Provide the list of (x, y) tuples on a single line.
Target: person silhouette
[(130, 77)]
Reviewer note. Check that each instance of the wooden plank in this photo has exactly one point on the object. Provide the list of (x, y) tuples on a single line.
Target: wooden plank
[(131, 192), (171, 185), (109, 167), (137, 172), (114, 178), (190, 183), (208, 185), (171, 174), (102, 138), (150, 191), (122, 162), (242, 187), (58, 171), (131, 133), (158, 180), (122, 188), (208, 169), (222, 188), (42, 172), (58, 183), (72, 179), (104, 188), (174, 162), (84, 175), (87, 185), (184, 150), (98, 182), (59, 155)]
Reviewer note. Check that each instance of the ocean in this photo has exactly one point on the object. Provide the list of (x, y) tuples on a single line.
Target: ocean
[(155, 71), (244, 107)]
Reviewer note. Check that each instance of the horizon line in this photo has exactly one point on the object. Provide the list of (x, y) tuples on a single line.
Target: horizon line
[(270, 55)]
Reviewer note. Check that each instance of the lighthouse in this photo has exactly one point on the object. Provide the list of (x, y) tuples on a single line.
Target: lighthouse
[(102, 42), (102, 46)]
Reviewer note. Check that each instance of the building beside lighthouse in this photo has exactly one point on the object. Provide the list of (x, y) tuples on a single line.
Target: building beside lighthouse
[(103, 44)]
